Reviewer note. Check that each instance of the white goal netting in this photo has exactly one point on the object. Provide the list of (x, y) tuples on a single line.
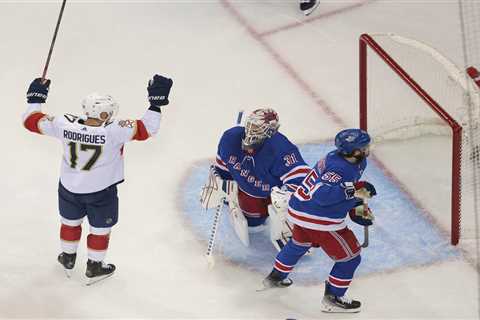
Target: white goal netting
[(415, 140)]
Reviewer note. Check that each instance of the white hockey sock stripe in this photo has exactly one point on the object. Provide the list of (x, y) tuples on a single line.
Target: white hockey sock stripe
[(69, 246), (282, 267), (339, 283)]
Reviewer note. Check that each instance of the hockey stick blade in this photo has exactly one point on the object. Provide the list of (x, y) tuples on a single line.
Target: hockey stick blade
[(210, 261)]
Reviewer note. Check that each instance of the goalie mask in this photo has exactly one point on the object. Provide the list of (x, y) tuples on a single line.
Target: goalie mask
[(260, 125), (101, 107)]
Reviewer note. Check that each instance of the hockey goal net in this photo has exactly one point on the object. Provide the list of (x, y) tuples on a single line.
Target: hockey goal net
[(421, 109)]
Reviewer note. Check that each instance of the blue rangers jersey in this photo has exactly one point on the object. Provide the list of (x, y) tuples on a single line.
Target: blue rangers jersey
[(321, 202), (278, 162)]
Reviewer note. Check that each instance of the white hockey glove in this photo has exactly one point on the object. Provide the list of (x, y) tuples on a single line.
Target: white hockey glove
[(280, 227), (216, 190)]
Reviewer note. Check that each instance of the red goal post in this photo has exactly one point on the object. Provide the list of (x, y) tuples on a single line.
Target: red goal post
[(366, 42)]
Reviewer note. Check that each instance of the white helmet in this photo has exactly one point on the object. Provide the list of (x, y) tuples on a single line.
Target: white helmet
[(95, 104)]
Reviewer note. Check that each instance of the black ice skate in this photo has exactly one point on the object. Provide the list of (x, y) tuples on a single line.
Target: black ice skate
[(98, 270), (335, 304), (308, 6), (274, 280), (67, 260)]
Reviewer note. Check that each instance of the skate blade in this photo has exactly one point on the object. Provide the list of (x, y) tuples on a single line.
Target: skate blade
[(94, 280), (263, 288), (266, 288), (335, 309), (68, 272)]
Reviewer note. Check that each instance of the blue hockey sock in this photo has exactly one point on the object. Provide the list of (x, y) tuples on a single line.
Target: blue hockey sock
[(341, 276), (288, 258)]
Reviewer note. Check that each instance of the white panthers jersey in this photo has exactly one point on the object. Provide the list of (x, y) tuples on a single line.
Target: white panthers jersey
[(92, 156)]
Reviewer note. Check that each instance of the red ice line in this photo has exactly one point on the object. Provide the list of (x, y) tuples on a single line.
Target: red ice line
[(284, 64)]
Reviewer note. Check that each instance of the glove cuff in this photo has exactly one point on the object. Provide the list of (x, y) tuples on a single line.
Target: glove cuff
[(155, 108)]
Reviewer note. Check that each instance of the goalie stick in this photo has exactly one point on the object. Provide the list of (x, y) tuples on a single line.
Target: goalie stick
[(216, 218), (213, 234)]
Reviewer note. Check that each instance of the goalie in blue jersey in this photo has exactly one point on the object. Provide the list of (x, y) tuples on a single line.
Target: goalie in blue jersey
[(258, 168)]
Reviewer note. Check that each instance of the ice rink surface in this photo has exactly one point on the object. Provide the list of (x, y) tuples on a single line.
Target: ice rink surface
[(223, 56)]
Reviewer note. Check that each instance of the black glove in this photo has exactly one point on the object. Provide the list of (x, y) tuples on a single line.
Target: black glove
[(158, 91), (38, 91)]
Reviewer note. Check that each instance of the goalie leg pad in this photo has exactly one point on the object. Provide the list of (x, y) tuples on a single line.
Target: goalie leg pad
[(239, 224)]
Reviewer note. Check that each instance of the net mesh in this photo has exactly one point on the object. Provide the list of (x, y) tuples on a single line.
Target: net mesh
[(470, 30), (415, 140)]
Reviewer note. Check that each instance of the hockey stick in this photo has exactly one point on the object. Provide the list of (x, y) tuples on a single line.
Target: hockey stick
[(365, 228), (216, 218), (239, 117), (213, 234), (44, 74), (365, 237)]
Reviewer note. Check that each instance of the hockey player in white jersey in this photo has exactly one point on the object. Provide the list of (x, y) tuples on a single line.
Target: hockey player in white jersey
[(92, 165)]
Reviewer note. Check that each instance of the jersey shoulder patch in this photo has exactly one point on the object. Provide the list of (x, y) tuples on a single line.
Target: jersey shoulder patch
[(126, 123)]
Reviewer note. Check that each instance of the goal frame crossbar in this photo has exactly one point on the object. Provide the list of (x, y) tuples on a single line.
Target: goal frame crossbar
[(366, 41)]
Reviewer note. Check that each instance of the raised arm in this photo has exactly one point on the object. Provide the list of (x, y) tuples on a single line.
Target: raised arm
[(33, 118)]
